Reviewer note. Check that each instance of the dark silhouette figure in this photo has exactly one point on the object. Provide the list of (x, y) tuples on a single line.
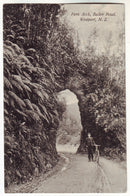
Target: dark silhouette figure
[(90, 144)]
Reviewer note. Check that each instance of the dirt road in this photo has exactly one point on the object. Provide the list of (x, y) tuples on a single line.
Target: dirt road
[(76, 175), (80, 176)]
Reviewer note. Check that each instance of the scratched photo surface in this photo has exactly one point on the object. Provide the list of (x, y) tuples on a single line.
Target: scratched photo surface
[(64, 98)]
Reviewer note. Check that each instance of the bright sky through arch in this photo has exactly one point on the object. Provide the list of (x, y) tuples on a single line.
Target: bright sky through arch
[(68, 96)]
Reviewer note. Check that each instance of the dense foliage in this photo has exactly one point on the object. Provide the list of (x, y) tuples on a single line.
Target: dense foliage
[(30, 105), (40, 59)]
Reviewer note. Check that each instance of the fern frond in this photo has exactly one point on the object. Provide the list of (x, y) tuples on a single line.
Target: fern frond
[(32, 85), (22, 58), (31, 59), (21, 113), (17, 86), (7, 84), (6, 71), (7, 60), (19, 80), (6, 101), (43, 109), (38, 93), (8, 56), (36, 108), (6, 112), (27, 76), (31, 51), (9, 48), (28, 68), (21, 38), (28, 104), (27, 89), (6, 96), (32, 116), (6, 121), (10, 37), (18, 101), (16, 48), (44, 94)]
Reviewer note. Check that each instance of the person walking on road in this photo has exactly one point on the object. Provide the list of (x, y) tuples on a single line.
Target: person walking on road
[(90, 146)]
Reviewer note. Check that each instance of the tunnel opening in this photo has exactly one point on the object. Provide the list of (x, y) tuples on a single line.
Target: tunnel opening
[(69, 132)]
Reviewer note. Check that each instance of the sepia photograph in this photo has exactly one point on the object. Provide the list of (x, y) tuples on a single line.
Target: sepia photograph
[(64, 98)]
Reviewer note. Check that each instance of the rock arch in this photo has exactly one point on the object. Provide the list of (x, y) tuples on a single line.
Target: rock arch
[(76, 85)]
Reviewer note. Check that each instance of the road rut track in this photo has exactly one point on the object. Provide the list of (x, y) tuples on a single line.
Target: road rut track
[(106, 180), (75, 174)]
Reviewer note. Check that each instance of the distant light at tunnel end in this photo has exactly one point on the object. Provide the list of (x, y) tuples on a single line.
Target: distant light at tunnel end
[(68, 96)]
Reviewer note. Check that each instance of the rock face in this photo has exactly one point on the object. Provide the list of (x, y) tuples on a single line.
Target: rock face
[(98, 116), (40, 60)]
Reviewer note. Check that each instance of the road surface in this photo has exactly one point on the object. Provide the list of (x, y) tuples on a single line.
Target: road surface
[(76, 175), (80, 176)]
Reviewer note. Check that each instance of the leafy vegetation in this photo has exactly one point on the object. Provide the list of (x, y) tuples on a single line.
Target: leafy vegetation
[(104, 90), (30, 105), (40, 59)]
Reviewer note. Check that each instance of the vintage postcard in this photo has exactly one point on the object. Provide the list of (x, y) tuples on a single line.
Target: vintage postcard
[(64, 98)]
